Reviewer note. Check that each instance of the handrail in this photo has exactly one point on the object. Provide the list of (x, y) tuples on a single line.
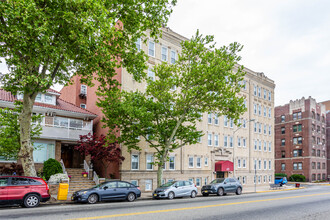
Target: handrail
[(64, 171), (96, 178), (86, 168)]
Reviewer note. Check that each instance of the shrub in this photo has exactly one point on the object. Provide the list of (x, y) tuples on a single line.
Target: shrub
[(51, 167), (297, 178), (281, 174)]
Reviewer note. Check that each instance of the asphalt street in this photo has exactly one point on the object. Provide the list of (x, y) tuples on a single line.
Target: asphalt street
[(309, 203)]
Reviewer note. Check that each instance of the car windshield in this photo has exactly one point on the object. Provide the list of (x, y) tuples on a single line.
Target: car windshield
[(278, 178), (167, 184), (100, 185), (220, 180)]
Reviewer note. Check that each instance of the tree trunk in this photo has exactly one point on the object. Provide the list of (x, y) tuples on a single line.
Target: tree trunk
[(25, 154), (159, 175)]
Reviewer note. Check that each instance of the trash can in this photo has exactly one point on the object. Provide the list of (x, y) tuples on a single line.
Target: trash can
[(63, 191), (297, 185)]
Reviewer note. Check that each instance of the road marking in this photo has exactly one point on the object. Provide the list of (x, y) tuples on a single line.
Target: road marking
[(196, 207)]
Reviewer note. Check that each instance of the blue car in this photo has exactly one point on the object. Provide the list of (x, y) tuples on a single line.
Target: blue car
[(112, 190), (280, 180)]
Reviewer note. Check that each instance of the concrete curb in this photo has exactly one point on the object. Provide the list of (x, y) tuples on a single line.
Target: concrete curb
[(278, 190)]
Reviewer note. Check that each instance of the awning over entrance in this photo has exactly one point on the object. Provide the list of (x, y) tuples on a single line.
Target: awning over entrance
[(224, 165)]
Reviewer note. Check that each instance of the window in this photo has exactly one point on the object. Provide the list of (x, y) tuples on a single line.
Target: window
[(4, 181), (199, 139), (297, 140), (151, 50), (270, 165), (239, 163), (135, 162), (270, 130), (43, 151), (265, 94), (198, 162), (259, 109), (255, 145), (283, 166), (216, 119), (265, 146), (313, 165), (282, 130), (297, 153), (270, 146), (265, 179), (259, 179), (269, 96), (255, 90), (265, 165), (282, 118), (48, 99), (173, 57), (318, 117), (259, 91), (209, 139), (283, 142), (244, 163), (206, 161), (297, 166), (265, 129), (225, 141), (205, 181), (191, 162), (148, 186), (164, 53), (283, 154), (231, 123), (230, 141), (38, 97), (150, 160), (255, 127), (255, 108), (318, 153), (313, 152), (244, 142), (83, 106), (238, 141), (225, 121), (209, 118), (260, 124), (244, 123), (151, 74), (323, 166), (259, 164), (265, 112), (138, 44), (83, 89), (216, 140), (313, 115), (269, 114), (135, 182), (297, 128), (172, 163), (270, 179), (198, 182)]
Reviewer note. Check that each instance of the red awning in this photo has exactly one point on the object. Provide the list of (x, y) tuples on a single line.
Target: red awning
[(224, 165)]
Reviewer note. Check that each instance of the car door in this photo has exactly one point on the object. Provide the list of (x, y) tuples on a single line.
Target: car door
[(3, 190), (18, 188), (233, 184), (123, 189), (109, 191), (188, 187), (178, 190), (226, 185)]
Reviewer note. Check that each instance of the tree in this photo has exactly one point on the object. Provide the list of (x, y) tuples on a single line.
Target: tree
[(204, 79), (9, 131), (47, 42), (99, 149)]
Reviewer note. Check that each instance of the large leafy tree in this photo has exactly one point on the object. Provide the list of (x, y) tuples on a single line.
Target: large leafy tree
[(46, 42), (204, 79), (10, 143)]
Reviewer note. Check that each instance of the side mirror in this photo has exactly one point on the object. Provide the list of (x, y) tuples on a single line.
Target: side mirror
[(105, 187), (224, 182), (176, 186)]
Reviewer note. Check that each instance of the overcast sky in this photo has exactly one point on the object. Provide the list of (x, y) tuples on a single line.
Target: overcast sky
[(288, 40)]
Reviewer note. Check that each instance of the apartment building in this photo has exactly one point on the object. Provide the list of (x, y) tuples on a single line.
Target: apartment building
[(300, 139), (327, 131), (249, 146), (62, 124)]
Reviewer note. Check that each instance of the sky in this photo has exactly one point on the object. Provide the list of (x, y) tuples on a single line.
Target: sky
[(287, 40)]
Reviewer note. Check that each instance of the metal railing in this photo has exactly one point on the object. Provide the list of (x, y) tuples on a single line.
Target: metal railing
[(64, 171), (96, 178), (86, 168)]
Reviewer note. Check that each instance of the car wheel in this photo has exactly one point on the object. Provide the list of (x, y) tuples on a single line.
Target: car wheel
[(239, 191), (220, 192), (31, 201), (170, 195), (205, 194), (193, 194), (92, 199), (131, 197)]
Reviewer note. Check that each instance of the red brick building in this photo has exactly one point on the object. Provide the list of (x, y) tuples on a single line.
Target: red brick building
[(300, 139), (327, 108)]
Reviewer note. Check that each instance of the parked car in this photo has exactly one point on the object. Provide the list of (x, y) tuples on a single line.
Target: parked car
[(280, 180), (222, 186), (112, 190), (174, 189), (23, 190)]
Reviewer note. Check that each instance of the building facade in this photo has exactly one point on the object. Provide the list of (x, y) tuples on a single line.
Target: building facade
[(300, 139), (225, 149), (327, 131), (62, 123)]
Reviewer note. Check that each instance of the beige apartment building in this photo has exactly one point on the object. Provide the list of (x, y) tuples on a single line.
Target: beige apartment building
[(246, 152)]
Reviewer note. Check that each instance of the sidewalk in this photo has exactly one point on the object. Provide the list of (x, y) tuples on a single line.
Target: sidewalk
[(148, 196)]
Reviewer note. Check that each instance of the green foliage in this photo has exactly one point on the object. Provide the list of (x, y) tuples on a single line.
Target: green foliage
[(10, 134), (207, 80), (280, 174), (51, 167), (47, 42), (297, 178)]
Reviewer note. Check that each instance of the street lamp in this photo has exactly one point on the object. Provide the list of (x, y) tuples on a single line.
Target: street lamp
[(234, 144)]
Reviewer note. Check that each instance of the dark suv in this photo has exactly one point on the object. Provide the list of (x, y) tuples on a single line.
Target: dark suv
[(222, 186), (28, 191)]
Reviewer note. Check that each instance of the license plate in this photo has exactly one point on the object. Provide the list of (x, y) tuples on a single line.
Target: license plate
[(155, 194), (205, 191), (72, 198)]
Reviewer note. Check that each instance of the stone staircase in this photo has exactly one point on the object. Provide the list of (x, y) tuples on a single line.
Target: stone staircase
[(77, 181)]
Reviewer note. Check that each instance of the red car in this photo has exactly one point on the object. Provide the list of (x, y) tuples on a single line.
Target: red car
[(28, 191)]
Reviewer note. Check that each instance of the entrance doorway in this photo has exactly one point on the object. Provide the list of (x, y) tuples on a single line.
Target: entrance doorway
[(220, 174), (71, 157)]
